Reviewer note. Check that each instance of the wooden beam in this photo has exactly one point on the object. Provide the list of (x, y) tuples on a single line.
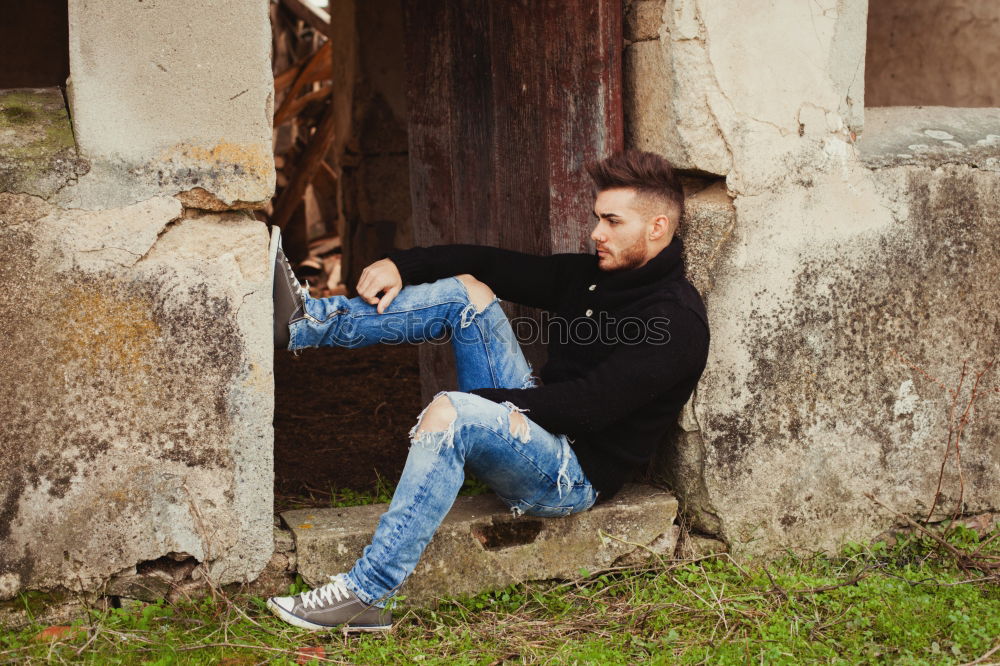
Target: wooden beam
[(329, 172), (314, 67), (314, 16), (291, 197), (286, 112), (318, 67)]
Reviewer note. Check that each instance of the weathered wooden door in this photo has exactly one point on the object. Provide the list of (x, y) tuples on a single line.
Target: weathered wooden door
[(509, 99)]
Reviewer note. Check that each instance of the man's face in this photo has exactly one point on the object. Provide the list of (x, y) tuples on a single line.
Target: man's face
[(620, 234)]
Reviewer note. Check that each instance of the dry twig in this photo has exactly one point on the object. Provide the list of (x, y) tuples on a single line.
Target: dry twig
[(963, 560), (982, 659), (955, 427)]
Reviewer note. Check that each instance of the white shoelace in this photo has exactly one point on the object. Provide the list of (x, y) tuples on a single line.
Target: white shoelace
[(325, 594), (302, 289)]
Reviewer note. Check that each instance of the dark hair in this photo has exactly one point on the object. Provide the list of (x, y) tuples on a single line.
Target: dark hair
[(647, 173)]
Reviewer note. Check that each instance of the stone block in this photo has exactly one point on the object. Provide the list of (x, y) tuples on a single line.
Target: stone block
[(643, 19), (825, 260), (843, 312), (284, 542), (656, 552), (481, 546), (47, 609), (135, 370), (931, 136), (723, 89), (709, 222), (184, 102), (664, 116)]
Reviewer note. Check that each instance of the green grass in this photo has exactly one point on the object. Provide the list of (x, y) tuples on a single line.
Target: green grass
[(380, 494), (912, 603)]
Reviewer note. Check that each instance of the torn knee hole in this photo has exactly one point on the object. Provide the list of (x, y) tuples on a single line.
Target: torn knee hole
[(519, 428), (438, 416), (435, 427), (479, 293)]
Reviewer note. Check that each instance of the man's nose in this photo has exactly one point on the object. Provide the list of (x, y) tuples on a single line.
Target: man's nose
[(596, 236)]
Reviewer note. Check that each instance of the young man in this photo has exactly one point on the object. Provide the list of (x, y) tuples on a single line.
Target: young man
[(631, 343)]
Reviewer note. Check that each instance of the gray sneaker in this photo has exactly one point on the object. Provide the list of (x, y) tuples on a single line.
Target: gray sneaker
[(330, 606), (288, 294)]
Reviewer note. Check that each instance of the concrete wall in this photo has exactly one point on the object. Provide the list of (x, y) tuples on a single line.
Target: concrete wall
[(941, 53), (171, 97), (135, 334), (712, 86), (837, 243)]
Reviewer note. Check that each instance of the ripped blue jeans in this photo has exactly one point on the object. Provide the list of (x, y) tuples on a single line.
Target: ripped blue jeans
[(534, 471)]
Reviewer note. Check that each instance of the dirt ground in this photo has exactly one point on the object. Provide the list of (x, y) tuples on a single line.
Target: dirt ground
[(341, 420)]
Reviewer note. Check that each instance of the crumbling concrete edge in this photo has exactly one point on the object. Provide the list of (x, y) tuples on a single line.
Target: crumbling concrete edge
[(694, 498), (62, 606), (203, 569)]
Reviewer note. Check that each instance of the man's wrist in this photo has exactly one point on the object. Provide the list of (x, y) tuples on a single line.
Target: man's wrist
[(408, 263)]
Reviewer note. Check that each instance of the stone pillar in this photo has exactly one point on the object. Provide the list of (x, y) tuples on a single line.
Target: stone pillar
[(135, 324), (843, 270), (172, 97)]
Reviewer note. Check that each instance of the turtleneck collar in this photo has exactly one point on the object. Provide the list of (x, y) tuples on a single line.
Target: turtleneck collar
[(668, 263)]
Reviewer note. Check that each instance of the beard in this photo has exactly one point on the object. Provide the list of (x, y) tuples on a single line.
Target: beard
[(630, 257)]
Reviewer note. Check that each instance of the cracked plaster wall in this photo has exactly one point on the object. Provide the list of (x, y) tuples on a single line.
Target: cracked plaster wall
[(171, 97), (135, 338), (820, 250), (730, 88), (137, 392)]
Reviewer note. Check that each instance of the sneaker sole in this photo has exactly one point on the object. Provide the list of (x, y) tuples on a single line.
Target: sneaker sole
[(272, 250), (297, 621)]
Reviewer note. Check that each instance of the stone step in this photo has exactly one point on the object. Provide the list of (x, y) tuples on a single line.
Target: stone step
[(481, 546)]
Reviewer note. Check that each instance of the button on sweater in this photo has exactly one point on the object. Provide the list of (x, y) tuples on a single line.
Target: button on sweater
[(625, 348)]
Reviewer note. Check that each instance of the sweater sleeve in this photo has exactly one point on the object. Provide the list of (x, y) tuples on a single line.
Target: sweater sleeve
[(514, 276), (633, 376)]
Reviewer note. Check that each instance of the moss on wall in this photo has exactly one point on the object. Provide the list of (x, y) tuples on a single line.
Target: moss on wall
[(37, 151)]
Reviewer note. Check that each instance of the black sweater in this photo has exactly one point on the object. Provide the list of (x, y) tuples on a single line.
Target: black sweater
[(613, 395)]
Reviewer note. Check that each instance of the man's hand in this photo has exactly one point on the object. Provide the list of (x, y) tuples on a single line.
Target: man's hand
[(382, 276)]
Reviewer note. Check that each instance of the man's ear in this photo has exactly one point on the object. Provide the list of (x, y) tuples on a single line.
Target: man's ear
[(659, 227)]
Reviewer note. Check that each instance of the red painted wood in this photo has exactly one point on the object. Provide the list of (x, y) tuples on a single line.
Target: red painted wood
[(587, 124), (521, 124), (508, 100), (429, 82)]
